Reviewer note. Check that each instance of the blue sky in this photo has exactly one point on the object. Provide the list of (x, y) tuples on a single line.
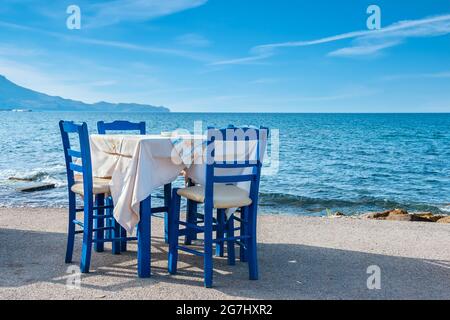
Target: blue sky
[(234, 55)]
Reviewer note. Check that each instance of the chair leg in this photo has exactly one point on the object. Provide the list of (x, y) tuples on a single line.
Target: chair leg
[(174, 221), (123, 243), (108, 233), (109, 221), (243, 232), (191, 217), (208, 258), (220, 232), (230, 244), (252, 244), (144, 239), (167, 203), (71, 229), (99, 223), (116, 244), (114, 232), (87, 238)]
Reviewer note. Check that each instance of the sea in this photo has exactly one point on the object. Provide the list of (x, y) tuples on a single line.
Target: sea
[(351, 163)]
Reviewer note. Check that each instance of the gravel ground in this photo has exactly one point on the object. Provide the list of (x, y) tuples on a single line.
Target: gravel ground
[(300, 258)]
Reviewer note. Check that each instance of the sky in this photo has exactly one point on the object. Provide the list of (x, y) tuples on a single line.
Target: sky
[(234, 55)]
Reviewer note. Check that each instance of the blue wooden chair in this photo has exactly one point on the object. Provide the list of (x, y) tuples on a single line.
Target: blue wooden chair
[(97, 205), (221, 193), (122, 126), (103, 127)]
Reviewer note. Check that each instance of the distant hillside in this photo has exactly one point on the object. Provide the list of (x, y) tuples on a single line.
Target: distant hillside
[(13, 96)]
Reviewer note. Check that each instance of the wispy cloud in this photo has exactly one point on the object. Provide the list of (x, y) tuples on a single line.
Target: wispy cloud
[(193, 40), (265, 81), (365, 42), (113, 12), (426, 27), (135, 47), (363, 49), (197, 56), (15, 51), (375, 41), (246, 60), (432, 75)]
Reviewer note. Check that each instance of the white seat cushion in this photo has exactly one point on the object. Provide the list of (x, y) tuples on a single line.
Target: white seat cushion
[(100, 186), (225, 196)]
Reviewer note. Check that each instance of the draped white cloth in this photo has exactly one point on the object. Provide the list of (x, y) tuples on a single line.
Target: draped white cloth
[(138, 165)]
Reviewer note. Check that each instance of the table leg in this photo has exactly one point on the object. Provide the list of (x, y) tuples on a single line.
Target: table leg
[(99, 223), (144, 239)]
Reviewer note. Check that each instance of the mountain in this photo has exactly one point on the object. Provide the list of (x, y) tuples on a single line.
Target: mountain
[(13, 96)]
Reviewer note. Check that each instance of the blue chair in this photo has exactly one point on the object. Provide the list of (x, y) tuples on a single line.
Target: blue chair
[(121, 126), (221, 193), (97, 205), (103, 127)]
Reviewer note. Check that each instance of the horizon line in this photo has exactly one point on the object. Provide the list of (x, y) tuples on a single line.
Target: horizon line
[(249, 112)]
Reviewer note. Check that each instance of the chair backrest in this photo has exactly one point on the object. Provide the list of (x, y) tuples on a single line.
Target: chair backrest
[(103, 127), (84, 165), (247, 146)]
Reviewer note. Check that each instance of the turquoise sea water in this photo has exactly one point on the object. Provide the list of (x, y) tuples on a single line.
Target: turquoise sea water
[(348, 162)]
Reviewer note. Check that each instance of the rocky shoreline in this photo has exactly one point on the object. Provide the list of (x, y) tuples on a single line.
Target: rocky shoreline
[(403, 215)]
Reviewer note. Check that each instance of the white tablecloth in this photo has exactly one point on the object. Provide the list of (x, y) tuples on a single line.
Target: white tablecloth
[(137, 165)]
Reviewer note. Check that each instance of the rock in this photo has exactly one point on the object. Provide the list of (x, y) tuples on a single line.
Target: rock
[(402, 215), (20, 179), (375, 215), (429, 216), (444, 220), (399, 217), (367, 215), (397, 212), (315, 209), (338, 214), (385, 214), (37, 187), (406, 217)]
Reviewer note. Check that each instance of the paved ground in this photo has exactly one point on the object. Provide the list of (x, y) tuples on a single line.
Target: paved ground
[(300, 258)]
